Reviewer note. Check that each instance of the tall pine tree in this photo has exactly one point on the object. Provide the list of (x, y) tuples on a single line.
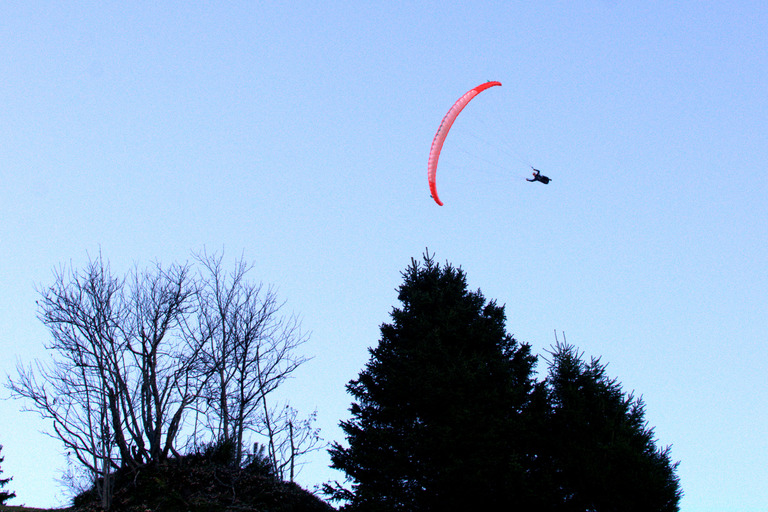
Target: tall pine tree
[(4, 495), (601, 454), (438, 419)]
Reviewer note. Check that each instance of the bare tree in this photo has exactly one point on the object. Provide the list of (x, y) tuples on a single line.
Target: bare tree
[(164, 364), (137, 360), (83, 313), (288, 438), (123, 373), (250, 350)]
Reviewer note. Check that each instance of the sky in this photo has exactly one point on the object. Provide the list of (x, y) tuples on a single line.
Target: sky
[(296, 134)]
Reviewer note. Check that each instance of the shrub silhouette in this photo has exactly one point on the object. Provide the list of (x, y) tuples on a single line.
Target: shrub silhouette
[(205, 481)]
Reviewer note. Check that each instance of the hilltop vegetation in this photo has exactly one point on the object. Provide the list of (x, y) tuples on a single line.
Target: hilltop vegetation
[(206, 481), (448, 413)]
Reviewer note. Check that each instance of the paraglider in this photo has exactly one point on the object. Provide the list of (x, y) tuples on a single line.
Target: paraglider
[(538, 177), (442, 132)]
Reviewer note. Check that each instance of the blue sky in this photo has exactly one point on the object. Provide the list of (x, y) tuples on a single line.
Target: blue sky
[(298, 136)]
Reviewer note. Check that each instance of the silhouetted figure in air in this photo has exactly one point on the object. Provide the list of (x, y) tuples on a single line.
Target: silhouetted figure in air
[(538, 177)]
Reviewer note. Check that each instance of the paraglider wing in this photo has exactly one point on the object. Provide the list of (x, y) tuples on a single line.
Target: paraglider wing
[(442, 132)]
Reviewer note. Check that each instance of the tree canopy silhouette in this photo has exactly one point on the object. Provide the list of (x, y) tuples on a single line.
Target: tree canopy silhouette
[(448, 415), (142, 361), (438, 418), (601, 453)]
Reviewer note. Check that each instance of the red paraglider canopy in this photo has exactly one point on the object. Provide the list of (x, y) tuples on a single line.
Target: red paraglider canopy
[(442, 132)]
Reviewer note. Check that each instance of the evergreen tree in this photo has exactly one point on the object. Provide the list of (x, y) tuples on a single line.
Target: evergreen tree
[(438, 420), (4, 495), (600, 451)]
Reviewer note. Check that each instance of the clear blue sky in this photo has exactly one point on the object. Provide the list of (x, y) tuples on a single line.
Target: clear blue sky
[(298, 135)]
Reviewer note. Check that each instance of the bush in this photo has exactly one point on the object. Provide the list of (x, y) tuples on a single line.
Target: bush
[(204, 481)]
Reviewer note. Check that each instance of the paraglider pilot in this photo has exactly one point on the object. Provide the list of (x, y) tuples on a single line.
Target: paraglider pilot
[(538, 177)]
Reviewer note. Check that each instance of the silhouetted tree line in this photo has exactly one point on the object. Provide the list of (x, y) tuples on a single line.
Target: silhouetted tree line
[(448, 415), (154, 363)]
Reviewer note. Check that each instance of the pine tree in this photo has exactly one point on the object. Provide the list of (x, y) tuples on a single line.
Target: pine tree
[(601, 452), (437, 421), (4, 495)]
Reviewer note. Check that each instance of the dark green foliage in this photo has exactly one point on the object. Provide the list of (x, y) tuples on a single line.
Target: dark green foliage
[(259, 462), (600, 452), (447, 415), (437, 423), (205, 481), (4, 495)]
